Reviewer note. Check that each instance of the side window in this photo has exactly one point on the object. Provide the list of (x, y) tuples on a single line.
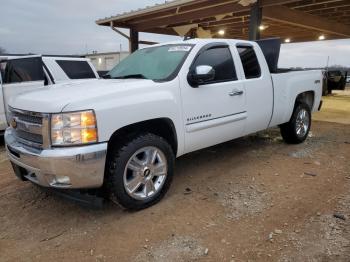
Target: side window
[(24, 70), (250, 62), (76, 69), (220, 59)]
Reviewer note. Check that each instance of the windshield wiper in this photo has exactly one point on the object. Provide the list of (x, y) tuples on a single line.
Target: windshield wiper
[(136, 76), (106, 76)]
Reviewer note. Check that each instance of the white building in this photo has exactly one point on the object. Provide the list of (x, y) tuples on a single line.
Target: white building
[(106, 61)]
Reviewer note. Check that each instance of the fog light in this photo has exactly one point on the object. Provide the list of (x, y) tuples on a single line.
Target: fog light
[(61, 180)]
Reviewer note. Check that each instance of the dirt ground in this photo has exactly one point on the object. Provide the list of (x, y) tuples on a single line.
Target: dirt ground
[(252, 199)]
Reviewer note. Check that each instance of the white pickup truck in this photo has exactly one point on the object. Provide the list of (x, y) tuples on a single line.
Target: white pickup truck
[(122, 134), (21, 74)]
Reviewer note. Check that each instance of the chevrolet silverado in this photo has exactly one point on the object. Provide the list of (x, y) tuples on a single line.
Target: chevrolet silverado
[(122, 134)]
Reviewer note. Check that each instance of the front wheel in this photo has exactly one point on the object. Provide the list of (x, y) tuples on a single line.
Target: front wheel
[(298, 128), (140, 172)]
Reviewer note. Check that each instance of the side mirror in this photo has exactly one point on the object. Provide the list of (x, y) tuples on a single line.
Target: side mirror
[(201, 75)]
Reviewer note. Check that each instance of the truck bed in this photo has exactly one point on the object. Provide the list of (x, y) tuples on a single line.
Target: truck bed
[(287, 85)]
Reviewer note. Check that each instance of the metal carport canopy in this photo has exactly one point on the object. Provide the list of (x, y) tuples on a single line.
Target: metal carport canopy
[(291, 20)]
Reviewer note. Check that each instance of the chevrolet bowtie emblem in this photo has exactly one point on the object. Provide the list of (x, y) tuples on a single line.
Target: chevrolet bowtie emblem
[(13, 123)]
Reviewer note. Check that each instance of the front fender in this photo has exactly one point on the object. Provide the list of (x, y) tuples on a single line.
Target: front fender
[(113, 112)]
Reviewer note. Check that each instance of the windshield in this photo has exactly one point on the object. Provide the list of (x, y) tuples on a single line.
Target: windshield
[(156, 63)]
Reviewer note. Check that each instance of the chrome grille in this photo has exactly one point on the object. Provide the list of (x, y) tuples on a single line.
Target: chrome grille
[(29, 118), (30, 128), (30, 137)]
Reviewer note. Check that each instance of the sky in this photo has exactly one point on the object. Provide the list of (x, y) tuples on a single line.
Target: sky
[(68, 27)]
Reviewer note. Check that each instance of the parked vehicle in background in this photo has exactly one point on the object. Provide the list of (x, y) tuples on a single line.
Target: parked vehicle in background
[(26, 73), (122, 134), (348, 78), (3, 123), (336, 80)]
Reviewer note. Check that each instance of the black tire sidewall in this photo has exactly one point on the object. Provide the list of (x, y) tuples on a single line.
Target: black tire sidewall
[(298, 108), (119, 160)]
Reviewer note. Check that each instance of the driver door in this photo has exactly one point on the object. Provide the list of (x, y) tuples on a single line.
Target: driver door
[(215, 110)]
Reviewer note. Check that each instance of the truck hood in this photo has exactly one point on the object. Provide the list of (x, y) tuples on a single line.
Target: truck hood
[(55, 98)]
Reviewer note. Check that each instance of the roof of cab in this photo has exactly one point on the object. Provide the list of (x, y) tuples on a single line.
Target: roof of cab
[(194, 41)]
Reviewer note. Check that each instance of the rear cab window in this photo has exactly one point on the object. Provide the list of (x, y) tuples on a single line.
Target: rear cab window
[(76, 69), (250, 62)]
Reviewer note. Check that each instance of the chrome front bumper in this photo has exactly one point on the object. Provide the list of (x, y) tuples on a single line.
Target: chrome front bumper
[(68, 167)]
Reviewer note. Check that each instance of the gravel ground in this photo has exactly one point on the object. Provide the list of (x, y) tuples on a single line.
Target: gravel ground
[(252, 199)]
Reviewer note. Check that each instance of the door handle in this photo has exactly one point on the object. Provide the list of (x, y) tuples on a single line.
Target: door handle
[(236, 93)]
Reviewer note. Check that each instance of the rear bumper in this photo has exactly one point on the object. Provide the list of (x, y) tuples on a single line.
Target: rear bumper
[(69, 167)]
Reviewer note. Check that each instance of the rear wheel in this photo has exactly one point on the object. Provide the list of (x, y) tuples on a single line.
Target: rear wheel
[(298, 128), (140, 172)]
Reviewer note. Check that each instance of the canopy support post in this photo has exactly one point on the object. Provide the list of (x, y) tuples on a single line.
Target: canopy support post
[(134, 40), (255, 21)]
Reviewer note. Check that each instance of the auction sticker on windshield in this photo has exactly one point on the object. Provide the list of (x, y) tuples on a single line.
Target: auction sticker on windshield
[(180, 48)]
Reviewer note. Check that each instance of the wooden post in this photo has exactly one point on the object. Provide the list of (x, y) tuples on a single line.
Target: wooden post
[(134, 40), (255, 21)]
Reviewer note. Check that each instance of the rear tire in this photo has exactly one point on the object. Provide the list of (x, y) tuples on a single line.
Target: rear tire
[(140, 172), (297, 129)]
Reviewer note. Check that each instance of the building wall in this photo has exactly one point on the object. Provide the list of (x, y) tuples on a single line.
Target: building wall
[(106, 61)]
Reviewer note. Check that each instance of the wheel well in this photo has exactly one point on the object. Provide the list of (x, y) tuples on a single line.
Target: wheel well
[(162, 127), (307, 98)]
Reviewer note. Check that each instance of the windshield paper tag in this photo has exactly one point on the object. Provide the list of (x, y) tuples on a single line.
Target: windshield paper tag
[(180, 48)]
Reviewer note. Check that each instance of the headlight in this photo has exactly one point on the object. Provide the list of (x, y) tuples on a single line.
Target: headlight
[(74, 128)]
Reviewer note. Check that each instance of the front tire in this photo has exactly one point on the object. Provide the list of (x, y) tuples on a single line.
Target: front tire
[(297, 129), (140, 172)]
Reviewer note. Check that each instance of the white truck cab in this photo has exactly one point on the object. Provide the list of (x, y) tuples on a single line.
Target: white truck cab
[(122, 134), (21, 74)]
